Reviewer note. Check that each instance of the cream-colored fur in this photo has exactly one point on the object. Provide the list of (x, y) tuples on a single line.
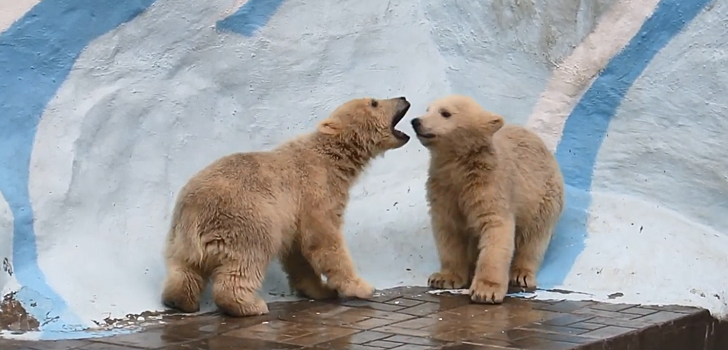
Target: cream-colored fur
[(233, 217), (495, 194)]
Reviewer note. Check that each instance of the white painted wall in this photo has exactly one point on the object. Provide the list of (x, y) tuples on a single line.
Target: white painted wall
[(650, 254), (11, 10), (667, 141), (138, 127)]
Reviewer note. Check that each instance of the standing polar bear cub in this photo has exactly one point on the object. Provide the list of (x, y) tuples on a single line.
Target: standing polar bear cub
[(233, 217), (495, 194)]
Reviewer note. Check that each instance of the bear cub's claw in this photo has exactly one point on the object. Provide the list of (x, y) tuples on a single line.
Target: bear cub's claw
[(485, 292), (447, 280), (318, 292), (185, 307), (523, 279)]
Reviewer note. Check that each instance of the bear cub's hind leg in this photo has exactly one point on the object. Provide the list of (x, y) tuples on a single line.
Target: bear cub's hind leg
[(235, 291), (182, 288), (238, 277), (531, 245)]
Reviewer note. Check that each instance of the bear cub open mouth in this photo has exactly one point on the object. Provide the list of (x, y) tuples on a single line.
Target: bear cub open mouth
[(404, 106)]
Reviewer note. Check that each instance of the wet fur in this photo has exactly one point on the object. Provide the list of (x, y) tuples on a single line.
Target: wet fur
[(233, 217), (495, 194)]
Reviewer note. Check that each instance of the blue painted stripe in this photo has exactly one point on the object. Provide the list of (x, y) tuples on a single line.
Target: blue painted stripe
[(586, 127), (36, 55), (250, 17)]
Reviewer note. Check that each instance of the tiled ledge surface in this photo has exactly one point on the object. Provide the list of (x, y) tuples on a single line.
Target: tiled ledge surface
[(410, 319)]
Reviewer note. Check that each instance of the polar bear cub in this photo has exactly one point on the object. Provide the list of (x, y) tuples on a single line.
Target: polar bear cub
[(495, 194), (233, 217)]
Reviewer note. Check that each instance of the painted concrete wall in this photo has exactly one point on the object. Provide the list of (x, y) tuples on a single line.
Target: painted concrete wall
[(108, 107)]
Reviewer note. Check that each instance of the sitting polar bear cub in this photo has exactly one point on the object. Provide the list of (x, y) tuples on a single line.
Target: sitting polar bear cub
[(495, 194), (233, 217)]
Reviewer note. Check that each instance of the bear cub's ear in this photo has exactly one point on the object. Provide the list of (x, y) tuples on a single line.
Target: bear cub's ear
[(329, 126), (495, 123)]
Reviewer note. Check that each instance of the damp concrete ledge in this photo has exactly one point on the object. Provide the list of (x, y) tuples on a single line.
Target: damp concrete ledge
[(411, 319)]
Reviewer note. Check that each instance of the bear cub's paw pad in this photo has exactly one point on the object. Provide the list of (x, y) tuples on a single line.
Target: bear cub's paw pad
[(257, 307), (523, 279), (357, 288), (447, 280), (185, 306), (320, 292), (485, 292)]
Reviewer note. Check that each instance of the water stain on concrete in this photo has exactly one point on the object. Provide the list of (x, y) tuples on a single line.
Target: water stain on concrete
[(14, 317)]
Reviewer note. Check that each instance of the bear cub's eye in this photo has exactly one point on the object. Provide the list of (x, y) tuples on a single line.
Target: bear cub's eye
[(375, 103), (445, 113)]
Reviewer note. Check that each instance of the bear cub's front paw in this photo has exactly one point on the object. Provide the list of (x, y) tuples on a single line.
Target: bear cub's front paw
[(357, 288), (486, 292), (447, 280)]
